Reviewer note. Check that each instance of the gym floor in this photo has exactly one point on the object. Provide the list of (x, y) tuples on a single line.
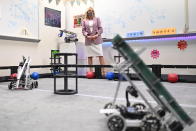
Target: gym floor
[(42, 110)]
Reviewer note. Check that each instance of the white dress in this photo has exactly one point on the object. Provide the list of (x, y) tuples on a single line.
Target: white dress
[(94, 49)]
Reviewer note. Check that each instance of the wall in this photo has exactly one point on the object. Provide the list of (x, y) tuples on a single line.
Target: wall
[(192, 15), (169, 51), (12, 51), (170, 54), (140, 15)]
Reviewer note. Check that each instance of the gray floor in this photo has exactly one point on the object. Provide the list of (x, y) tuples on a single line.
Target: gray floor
[(41, 110)]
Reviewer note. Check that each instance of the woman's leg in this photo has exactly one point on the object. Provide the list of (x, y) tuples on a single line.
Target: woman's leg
[(90, 62), (102, 62)]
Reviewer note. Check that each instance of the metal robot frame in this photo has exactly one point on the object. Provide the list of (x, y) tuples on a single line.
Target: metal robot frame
[(23, 79), (167, 115)]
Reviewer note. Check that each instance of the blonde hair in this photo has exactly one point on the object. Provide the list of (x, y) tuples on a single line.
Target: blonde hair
[(89, 9)]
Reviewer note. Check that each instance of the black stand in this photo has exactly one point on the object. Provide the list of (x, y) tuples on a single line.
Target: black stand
[(66, 75), (156, 69)]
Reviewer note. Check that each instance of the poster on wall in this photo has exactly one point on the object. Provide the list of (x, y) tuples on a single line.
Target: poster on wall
[(52, 17), (78, 20)]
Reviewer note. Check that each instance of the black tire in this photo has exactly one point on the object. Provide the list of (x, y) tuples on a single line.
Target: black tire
[(36, 84), (10, 86), (116, 123), (31, 86), (151, 123), (176, 126)]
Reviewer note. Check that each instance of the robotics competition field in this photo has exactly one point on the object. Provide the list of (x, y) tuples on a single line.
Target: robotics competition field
[(146, 105), (97, 65), (40, 109)]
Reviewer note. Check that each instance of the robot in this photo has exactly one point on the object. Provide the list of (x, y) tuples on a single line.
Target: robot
[(22, 79), (69, 36), (167, 115)]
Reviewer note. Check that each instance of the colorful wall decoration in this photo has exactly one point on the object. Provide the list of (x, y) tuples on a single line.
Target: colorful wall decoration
[(135, 34), (182, 44), (164, 31), (78, 20), (155, 54)]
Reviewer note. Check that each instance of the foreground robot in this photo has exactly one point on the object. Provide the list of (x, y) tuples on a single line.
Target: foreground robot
[(167, 115), (22, 79)]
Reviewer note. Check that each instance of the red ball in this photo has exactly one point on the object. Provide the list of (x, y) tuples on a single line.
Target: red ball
[(172, 77), (90, 75), (14, 75)]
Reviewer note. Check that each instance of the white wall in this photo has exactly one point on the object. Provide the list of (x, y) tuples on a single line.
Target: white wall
[(169, 52), (12, 51), (124, 16), (192, 15)]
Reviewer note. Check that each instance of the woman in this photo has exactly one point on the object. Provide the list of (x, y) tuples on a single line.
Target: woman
[(92, 30)]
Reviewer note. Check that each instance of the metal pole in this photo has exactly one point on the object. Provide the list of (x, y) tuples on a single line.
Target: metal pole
[(65, 72), (186, 27)]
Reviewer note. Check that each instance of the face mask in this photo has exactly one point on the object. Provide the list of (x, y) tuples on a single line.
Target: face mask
[(90, 14)]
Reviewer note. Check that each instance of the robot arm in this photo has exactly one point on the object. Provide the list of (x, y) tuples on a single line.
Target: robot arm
[(165, 100), (70, 36)]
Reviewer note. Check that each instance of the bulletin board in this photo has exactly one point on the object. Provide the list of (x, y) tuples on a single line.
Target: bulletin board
[(19, 19), (125, 16)]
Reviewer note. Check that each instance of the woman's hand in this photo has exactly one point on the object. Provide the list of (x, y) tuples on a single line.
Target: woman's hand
[(92, 37), (95, 36)]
